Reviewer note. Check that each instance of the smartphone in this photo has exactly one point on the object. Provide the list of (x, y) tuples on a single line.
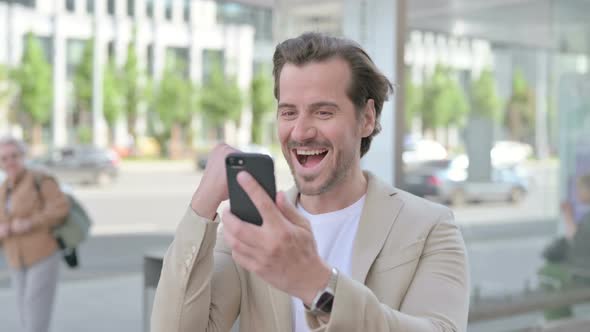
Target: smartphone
[(261, 167)]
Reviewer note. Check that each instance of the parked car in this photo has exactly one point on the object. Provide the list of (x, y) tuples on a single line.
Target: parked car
[(80, 164), (201, 160), (507, 153), (421, 150), (445, 181)]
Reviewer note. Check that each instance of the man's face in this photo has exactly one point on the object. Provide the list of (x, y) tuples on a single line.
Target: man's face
[(318, 128)]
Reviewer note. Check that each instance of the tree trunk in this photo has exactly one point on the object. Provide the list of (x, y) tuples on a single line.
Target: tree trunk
[(131, 121), (175, 142), (37, 139)]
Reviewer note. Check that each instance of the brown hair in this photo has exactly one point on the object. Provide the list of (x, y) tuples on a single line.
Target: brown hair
[(367, 82)]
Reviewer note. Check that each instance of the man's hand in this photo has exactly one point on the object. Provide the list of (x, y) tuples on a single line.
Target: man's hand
[(213, 187), (283, 250), (21, 226)]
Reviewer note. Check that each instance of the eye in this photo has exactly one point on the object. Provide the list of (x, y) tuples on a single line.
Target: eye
[(287, 114), (323, 114)]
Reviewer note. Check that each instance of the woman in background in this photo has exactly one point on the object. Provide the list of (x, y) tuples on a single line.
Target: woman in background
[(31, 205)]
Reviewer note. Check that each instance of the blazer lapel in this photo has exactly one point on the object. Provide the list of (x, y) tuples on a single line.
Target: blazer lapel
[(379, 214)]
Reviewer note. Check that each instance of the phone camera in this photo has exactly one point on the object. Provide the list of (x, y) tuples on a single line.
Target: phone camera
[(241, 162)]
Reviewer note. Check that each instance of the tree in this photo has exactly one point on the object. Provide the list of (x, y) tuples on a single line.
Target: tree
[(135, 88), (221, 97), (262, 102), (484, 97), (445, 104), (413, 102), (113, 97), (174, 105), (520, 111), (34, 84), (479, 135), (5, 85), (83, 85)]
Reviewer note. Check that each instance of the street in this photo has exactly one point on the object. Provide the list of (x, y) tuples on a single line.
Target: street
[(151, 197)]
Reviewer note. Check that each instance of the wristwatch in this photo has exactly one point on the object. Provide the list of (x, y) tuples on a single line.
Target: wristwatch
[(324, 299)]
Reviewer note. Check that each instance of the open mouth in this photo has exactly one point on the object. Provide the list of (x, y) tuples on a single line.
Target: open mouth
[(310, 158)]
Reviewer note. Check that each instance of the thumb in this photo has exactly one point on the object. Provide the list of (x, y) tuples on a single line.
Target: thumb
[(290, 211)]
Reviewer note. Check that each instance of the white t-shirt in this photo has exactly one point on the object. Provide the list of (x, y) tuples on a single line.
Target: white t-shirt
[(334, 234)]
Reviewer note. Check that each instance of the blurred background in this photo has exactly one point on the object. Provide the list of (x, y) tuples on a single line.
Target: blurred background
[(123, 99)]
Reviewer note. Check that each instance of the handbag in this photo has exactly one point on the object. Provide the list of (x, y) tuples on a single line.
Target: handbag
[(557, 251), (73, 230)]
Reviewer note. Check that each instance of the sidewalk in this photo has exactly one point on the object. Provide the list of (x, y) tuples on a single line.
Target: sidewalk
[(111, 304)]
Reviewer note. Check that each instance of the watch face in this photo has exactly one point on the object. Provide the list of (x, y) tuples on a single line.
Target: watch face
[(325, 302)]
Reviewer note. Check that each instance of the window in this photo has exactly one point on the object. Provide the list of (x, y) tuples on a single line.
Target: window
[(70, 5), (131, 8), (168, 9), (257, 17), (90, 6), (111, 7), (25, 3), (149, 8), (186, 10), (211, 58), (111, 49), (150, 59)]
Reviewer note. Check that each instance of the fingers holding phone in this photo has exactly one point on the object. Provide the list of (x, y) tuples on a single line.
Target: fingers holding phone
[(213, 187)]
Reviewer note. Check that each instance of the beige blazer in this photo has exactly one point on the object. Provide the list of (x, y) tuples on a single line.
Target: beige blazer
[(409, 273)]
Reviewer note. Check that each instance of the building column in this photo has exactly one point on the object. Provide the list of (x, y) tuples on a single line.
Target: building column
[(59, 116), (541, 102), (379, 26), (98, 122)]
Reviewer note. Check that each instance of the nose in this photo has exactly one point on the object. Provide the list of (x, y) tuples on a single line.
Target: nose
[(303, 130)]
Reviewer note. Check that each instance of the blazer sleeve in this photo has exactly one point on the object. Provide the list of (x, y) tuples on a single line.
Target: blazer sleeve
[(436, 300), (55, 204), (199, 287)]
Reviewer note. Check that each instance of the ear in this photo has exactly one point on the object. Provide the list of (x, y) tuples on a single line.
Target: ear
[(369, 117)]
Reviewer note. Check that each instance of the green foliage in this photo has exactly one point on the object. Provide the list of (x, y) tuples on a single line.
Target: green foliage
[(84, 133), (33, 79), (444, 101), (135, 88), (113, 97), (83, 79), (263, 102), (413, 102), (6, 88), (174, 102), (484, 97), (520, 111), (221, 97)]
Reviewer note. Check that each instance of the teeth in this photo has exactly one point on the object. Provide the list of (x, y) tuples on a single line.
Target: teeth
[(310, 152)]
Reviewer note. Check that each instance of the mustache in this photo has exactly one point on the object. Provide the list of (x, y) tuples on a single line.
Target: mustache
[(308, 144)]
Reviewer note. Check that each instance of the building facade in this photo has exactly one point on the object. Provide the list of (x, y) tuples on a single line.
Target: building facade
[(192, 29)]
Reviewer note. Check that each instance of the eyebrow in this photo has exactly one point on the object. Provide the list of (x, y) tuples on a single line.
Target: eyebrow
[(313, 106)]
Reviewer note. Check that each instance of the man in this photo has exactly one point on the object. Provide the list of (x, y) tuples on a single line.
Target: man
[(342, 251)]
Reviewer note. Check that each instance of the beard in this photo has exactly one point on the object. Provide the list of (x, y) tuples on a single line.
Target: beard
[(343, 163)]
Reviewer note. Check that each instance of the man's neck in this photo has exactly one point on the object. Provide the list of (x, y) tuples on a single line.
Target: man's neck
[(345, 193)]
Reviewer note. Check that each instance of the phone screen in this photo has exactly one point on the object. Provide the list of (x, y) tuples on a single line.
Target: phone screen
[(261, 167)]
